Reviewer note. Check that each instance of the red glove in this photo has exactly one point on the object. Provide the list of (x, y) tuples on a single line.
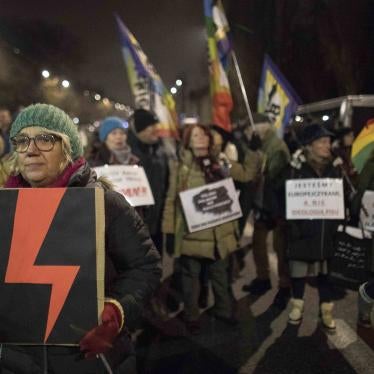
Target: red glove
[(100, 338)]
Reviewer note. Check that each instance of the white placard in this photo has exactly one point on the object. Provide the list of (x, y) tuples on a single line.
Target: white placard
[(210, 205), (129, 180), (320, 198), (367, 214)]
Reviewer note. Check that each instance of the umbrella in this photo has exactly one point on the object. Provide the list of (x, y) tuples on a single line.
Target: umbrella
[(363, 145)]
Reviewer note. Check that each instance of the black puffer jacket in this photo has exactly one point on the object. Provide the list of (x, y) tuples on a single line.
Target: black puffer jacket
[(155, 163), (311, 240), (132, 273)]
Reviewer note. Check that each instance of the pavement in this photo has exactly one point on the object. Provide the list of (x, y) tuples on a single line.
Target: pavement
[(263, 342)]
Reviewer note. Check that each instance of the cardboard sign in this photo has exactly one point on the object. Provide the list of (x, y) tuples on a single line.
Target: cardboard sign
[(129, 180), (51, 264), (210, 205), (320, 198), (367, 212)]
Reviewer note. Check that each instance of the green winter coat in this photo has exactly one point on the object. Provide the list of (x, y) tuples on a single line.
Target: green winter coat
[(186, 174), (276, 159)]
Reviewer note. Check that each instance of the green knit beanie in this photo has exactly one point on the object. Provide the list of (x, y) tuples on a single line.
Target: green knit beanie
[(51, 118)]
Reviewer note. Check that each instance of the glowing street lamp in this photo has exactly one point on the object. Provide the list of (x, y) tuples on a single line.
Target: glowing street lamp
[(97, 97), (173, 90), (65, 83), (45, 74), (178, 82)]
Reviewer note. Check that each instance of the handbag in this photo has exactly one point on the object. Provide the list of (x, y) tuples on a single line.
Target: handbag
[(350, 264)]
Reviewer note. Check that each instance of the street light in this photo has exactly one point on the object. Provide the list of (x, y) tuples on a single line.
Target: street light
[(173, 90), (76, 120), (97, 97), (178, 82), (45, 74), (65, 83)]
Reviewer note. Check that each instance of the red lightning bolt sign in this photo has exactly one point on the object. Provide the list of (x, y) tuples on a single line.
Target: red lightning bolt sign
[(34, 213)]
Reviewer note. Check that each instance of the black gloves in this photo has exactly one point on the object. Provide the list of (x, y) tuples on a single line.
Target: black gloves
[(255, 142), (169, 245)]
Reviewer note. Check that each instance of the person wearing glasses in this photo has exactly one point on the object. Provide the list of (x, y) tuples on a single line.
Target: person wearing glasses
[(49, 154)]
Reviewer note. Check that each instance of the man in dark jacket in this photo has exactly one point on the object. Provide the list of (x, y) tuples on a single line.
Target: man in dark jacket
[(268, 215), (146, 145)]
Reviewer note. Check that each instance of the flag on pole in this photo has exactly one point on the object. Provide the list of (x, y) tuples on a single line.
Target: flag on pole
[(219, 48), (146, 85), (276, 97), (363, 145)]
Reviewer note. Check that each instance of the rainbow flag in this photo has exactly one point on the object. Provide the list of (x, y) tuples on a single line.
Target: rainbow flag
[(146, 85), (276, 97), (219, 47), (363, 145)]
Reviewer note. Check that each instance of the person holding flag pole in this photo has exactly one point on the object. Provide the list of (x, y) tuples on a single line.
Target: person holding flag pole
[(220, 50)]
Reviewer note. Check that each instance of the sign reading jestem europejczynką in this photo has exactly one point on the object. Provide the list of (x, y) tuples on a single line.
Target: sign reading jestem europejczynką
[(210, 205), (51, 264), (319, 198)]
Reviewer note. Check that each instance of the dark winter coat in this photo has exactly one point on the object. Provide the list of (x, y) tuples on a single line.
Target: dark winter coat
[(132, 272), (276, 159), (311, 240), (155, 163)]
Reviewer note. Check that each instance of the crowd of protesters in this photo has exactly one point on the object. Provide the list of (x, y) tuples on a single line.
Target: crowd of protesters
[(259, 162)]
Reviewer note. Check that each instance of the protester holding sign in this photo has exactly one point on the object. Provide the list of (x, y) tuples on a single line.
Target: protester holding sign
[(210, 246), (310, 241), (49, 154)]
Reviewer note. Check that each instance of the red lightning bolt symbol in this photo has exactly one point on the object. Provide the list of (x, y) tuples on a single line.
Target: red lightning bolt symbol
[(34, 213)]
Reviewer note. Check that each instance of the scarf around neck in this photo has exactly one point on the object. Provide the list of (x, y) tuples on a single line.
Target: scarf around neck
[(63, 179)]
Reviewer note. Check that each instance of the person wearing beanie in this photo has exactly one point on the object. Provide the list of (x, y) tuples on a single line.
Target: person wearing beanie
[(113, 148), (310, 241), (268, 215), (145, 125), (147, 147), (49, 154)]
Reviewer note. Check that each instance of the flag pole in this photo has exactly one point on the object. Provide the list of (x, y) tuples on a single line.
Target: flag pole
[(242, 87)]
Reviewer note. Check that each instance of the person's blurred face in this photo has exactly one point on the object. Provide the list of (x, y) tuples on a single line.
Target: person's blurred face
[(40, 168), (348, 139), (149, 135), (217, 142), (5, 119), (262, 128), (321, 148), (199, 140), (116, 140)]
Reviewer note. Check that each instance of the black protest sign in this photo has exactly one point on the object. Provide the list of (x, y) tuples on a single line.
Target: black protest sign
[(213, 200), (51, 264), (349, 265), (210, 205)]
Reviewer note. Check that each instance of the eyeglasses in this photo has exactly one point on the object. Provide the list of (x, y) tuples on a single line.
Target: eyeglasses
[(44, 142)]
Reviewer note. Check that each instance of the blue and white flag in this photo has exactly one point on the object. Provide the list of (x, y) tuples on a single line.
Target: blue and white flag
[(276, 97)]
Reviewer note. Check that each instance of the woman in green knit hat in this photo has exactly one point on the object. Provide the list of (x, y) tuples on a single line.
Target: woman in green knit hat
[(49, 154)]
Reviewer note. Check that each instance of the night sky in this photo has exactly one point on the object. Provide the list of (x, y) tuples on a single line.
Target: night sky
[(325, 48), (171, 32)]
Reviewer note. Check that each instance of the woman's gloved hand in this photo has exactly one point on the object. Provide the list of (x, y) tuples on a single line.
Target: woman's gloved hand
[(100, 339)]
